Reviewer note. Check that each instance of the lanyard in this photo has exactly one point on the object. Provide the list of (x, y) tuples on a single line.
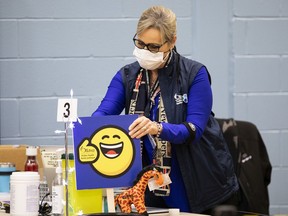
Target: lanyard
[(151, 94)]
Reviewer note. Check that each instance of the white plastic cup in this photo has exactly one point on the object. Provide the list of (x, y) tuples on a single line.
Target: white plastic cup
[(174, 212), (24, 193)]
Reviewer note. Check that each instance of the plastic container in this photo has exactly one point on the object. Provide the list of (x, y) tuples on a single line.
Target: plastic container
[(31, 162), (80, 201), (44, 191), (24, 193), (57, 192), (6, 170)]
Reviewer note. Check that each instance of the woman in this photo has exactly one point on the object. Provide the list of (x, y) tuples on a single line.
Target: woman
[(173, 98)]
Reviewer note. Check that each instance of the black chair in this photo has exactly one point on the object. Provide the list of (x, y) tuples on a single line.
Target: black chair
[(251, 163)]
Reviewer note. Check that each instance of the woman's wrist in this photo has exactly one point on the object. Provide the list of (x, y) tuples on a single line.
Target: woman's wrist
[(159, 129)]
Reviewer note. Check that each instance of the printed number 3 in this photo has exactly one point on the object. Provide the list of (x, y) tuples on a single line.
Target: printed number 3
[(67, 109)]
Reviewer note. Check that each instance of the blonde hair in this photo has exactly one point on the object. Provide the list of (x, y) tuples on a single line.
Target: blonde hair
[(160, 18)]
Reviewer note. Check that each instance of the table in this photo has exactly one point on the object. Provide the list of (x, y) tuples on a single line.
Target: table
[(2, 213)]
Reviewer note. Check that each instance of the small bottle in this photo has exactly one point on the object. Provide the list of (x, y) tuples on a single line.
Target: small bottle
[(57, 192), (31, 162)]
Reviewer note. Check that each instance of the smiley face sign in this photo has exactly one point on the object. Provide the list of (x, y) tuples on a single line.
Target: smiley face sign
[(109, 150), (105, 156)]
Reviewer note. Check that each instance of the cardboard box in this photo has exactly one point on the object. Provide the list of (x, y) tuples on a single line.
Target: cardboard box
[(17, 154)]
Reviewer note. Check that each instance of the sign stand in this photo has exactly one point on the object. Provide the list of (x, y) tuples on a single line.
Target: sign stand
[(66, 168), (67, 113), (110, 200)]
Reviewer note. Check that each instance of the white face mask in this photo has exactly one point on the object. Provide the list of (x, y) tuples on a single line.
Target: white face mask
[(147, 59)]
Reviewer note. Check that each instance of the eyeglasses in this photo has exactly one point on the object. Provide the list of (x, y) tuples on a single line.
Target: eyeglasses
[(154, 48)]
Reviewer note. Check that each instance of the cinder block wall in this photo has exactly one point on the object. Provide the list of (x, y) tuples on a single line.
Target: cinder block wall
[(260, 90), (49, 47)]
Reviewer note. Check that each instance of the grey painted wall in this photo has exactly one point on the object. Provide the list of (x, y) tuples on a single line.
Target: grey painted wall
[(49, 47)]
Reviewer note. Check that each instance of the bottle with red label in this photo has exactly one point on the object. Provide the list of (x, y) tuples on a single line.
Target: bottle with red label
[(31, 162)]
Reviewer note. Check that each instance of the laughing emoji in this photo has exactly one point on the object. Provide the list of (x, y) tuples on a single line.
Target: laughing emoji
[(110, 151)]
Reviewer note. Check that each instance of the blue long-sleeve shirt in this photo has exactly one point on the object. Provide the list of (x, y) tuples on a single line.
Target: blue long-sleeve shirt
[(198, 111)]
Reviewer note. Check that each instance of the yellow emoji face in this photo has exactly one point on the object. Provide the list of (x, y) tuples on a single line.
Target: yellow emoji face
[(116, 151)]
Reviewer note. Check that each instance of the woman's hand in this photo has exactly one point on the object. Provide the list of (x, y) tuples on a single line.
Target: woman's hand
[(141, 127)]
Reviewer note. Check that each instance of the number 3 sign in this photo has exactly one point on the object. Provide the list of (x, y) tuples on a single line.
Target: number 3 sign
[(67, 110)]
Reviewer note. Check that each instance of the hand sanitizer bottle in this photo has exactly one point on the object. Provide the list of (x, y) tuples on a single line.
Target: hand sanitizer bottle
[(57, 192)]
